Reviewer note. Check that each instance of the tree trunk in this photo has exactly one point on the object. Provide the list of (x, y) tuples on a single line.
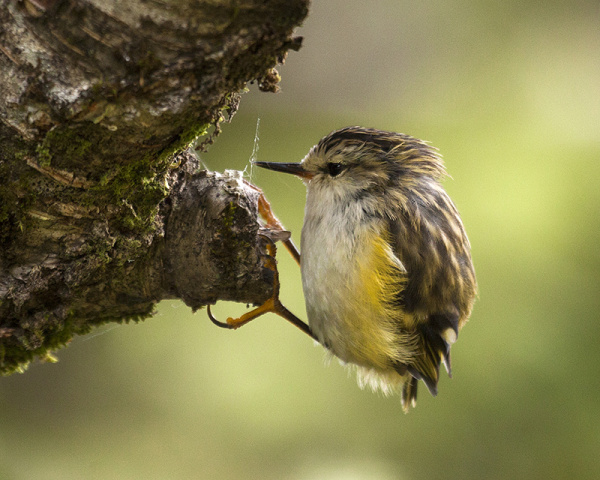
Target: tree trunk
[(103, 209)]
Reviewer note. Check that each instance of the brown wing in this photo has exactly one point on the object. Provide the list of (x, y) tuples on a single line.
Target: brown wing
[(432, 245)]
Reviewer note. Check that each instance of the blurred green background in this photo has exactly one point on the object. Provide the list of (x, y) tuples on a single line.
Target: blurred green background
[(510, 93)]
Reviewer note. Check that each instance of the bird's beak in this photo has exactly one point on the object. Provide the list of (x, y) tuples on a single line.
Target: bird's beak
[(293, 168)]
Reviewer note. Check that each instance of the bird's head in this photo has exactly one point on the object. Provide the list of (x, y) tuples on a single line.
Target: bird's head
[(357, 161), (364, 157)]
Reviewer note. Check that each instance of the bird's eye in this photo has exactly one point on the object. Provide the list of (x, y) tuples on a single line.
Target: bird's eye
[(334, 168)]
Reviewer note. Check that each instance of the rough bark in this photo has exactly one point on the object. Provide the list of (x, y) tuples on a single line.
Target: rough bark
[(103, 210)]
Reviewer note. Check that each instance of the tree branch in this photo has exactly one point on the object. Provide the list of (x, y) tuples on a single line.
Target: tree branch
[(103, 209)]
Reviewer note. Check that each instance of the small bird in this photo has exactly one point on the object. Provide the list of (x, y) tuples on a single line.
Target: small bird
[(386, 266)]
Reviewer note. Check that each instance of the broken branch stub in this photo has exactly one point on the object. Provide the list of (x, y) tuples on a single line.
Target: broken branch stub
[(212, 247)]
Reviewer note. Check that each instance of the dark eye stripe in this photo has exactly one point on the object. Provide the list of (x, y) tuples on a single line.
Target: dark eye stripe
[(334, 168)]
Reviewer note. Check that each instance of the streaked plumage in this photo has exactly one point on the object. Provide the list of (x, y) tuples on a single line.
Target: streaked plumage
[(386, 264)]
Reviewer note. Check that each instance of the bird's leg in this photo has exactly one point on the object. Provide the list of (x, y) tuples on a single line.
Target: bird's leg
[(273, 304)]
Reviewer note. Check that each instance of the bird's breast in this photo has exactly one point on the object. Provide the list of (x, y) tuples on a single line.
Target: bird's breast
[(352, 280)]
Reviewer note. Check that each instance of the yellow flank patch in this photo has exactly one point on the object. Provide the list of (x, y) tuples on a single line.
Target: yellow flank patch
[(377, 318)]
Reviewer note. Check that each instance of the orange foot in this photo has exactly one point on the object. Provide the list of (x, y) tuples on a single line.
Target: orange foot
[(272, 304)]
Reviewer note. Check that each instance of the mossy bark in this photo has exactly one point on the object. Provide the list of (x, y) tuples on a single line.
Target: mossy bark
[(103, 211)]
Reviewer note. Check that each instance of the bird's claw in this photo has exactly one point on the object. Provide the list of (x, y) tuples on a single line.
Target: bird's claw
[(217, 322), (276, 229), (271, 305), (274, 232)]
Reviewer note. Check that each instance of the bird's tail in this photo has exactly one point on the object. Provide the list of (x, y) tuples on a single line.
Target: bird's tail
[(409, 393), (435, 338)]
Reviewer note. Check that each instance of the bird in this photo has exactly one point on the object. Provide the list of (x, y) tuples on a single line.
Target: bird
[(386, 265)]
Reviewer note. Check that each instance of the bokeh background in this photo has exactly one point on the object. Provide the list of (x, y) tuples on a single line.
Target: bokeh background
[(510, 93)]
